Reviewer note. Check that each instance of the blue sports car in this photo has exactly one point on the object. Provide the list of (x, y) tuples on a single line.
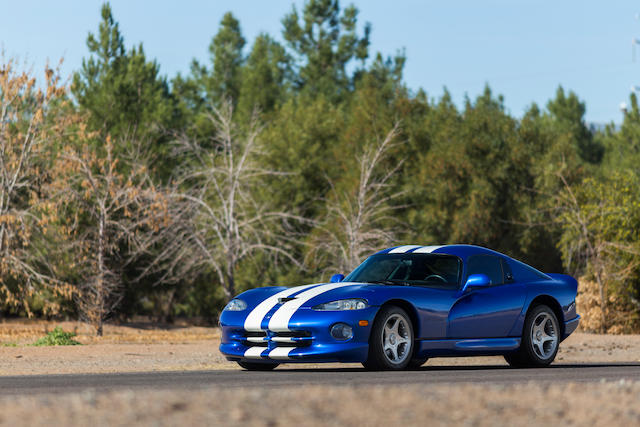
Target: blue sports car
[(403, 305)]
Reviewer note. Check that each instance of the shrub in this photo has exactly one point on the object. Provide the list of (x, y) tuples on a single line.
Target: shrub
[(623, 318), (57, 337)]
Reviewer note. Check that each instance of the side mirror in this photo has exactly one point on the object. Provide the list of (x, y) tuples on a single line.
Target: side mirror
[(477, 281), (336, 278)]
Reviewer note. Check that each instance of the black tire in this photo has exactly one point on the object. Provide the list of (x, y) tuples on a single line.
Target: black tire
[(417, 362), (540, 340), (401, 339), (515, 360), (258, 366)]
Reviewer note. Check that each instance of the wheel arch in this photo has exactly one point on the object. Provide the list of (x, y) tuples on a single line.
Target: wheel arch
[(553, 304), (409, 308)]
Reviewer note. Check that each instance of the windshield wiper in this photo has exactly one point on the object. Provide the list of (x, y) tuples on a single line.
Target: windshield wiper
[(389, 282)]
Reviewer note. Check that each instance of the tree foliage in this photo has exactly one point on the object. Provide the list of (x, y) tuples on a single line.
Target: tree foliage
[(28, 123), (324, 41), (122, 92), (601, 237), (275, 162), (109, 220)]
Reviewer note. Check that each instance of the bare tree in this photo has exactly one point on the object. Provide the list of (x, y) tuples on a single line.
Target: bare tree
[(24, 124), (112, 213), (357, 219), (222, 212)]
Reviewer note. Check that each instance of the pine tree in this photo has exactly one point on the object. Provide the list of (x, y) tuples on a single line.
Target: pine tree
[(567, 113), (223, 80), (324, 42), (121, 90), (265, 76)]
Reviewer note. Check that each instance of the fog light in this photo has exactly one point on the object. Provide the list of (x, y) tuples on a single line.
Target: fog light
[(341, 331)]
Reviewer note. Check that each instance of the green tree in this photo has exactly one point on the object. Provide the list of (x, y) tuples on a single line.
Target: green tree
[(324, 41), (122, 92), (223, 80), (556, 141), (265, 76), (623, 145), (567, 114), (468, 183), (209, 86), (600, 221)]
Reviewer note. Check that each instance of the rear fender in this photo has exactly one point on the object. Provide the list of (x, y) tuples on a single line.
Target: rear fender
[(559, 293)]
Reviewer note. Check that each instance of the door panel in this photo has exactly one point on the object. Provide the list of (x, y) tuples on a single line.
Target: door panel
[(486, 312)]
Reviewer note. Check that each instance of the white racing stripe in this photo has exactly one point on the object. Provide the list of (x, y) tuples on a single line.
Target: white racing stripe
[(280, 352), (426, 249), (403, 249), (280, 320), (254, 352), (254, 319)]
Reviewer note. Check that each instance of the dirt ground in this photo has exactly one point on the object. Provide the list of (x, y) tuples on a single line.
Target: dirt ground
[(140, 347)]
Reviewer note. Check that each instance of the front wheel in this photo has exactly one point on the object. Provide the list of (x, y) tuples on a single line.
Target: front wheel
[(540, 340), (391, 341), (256, 366)]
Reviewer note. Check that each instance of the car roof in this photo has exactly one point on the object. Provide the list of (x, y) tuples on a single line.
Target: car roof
[(462, 251)]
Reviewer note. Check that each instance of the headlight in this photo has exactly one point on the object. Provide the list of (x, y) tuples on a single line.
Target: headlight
[(235, 305), (343, 304)]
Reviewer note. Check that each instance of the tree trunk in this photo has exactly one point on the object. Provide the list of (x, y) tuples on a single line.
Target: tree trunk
[(101, 274), (230, 286), (164, 306)]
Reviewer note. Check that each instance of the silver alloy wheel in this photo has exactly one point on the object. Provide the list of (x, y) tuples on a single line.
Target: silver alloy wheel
[(395, 339), (544, 337)]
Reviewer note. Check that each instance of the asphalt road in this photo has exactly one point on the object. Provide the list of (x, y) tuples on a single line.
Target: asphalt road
[(35, 384)]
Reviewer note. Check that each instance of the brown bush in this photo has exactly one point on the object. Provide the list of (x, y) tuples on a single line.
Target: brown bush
[(621, 318)]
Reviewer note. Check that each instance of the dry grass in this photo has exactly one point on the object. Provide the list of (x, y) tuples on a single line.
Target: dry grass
[(520, 405)]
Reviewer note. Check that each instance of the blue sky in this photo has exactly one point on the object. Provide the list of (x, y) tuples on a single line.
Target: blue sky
[(523, 49)]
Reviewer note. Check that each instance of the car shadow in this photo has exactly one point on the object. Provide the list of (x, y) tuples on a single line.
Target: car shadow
[(506, 367), (427, 368)]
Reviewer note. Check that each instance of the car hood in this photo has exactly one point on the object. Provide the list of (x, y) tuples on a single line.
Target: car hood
[(310, 295)]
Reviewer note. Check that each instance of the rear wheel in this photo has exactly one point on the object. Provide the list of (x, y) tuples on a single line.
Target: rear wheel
[(540, 340), (391, 341), (257, 366)]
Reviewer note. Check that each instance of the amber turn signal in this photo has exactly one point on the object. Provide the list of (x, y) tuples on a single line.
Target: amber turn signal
[(363, 323)]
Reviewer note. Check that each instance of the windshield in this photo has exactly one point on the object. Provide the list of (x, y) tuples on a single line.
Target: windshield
[(442, 271)]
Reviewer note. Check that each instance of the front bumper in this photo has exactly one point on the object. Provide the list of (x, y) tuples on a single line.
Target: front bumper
[(309, 339)]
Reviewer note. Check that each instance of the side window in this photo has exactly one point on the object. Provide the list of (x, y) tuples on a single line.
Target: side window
[(486, 264), (525, 273), (508, 274)]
